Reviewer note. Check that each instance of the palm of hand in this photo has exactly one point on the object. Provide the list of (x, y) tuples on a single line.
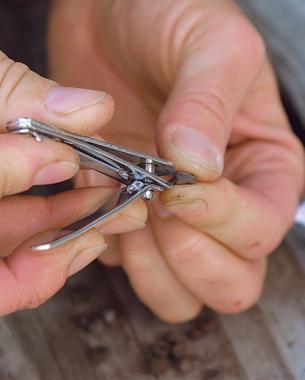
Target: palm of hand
[(178, 263)]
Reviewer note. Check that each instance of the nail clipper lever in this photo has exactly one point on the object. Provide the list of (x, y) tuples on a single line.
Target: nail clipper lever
[(139, 173)]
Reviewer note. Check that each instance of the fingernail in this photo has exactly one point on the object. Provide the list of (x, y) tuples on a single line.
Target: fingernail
[(85, 257), (66, 100), (191, 207), (195, 146), (55, 172)]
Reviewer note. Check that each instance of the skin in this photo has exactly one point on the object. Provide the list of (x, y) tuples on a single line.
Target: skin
[(191, 81), (29, 278), (197, 68)]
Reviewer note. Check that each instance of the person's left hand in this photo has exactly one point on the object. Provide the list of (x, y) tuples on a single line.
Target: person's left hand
[(198, 71)]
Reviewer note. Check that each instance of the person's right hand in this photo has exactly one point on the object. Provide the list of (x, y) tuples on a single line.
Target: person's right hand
[(27, 277), (192, 81)]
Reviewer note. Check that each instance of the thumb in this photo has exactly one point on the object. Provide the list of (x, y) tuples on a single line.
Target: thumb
[(213, 77), (24, 93), (29, 278)]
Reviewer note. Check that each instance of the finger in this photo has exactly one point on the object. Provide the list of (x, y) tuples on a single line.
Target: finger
[(217, 63), (216, 276), (29, 278), (153, 280), (131, 218), (111, 257), (24, 163), (23, 216), (243, 220), (266, 164), (24, 93)]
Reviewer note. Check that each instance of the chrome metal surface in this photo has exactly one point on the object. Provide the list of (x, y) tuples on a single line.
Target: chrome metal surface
[(149, 166), (139, 173)]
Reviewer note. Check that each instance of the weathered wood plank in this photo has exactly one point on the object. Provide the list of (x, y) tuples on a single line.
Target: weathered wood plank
[(254, 346), (283, 307), (80, 334), (14, 363), (295, 239), (206, 352), (29, 346), (91, 338)]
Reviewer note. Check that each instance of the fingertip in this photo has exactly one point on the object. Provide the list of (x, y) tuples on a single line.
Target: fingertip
[(191, 150), (66, 100), (90, 119), (182, 194), (132, 218), (137, 211), (39, 275), (40, 163), (178, 315), (55, 172), (78, 110)]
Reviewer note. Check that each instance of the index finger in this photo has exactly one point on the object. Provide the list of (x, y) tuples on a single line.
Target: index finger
[(24, 163)]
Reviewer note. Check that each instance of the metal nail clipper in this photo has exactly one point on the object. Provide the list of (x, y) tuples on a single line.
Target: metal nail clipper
[(139, 173)]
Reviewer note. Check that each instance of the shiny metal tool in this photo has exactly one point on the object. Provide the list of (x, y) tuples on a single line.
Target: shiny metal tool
[(139, 173)]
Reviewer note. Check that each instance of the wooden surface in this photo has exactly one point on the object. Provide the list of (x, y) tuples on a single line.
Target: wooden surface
[(95, 328)]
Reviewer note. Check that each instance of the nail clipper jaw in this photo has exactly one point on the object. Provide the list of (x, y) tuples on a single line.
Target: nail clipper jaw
[(184, 178)]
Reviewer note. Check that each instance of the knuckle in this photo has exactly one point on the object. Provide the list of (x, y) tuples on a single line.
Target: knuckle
[(255, 41), (219, 211), (12, 75), (243, 302), (242, 298), (260, 248), (251, 39), (248, 43), (29, 299), (188, 251), (297, 167), (3, 183), (37, 296), (209, 104), (137, 263), (34, 300), (50, 206), (6, 180)]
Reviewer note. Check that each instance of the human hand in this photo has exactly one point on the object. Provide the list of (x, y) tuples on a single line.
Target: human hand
[(190, 79), (27, 277)]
